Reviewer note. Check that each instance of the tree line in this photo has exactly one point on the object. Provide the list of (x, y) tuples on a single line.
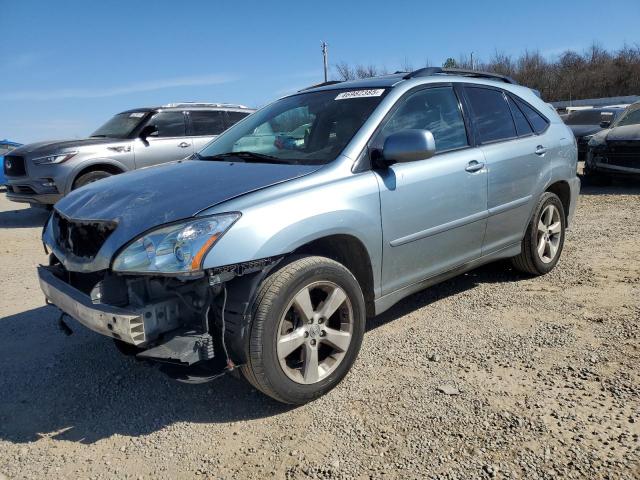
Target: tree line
[(593, 73)]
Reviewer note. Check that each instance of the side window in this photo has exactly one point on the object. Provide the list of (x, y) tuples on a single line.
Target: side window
[(434, 109), (491, 114), (170, 124), (522, 125), (235, 117), (206, 123), (537, 121)]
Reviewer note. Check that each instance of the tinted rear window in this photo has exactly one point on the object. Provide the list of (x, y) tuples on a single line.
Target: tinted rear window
[(522, 124), (490, 114), (235, 117), (537, 121), (205, 123)]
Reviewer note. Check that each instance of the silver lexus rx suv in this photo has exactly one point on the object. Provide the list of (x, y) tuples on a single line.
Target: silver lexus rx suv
[(42, 173), (267, 251)]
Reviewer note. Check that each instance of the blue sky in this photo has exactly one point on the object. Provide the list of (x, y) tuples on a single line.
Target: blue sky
[(67, 66)]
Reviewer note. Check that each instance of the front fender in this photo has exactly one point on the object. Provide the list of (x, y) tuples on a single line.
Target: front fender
[(276, 227), (83, 165)]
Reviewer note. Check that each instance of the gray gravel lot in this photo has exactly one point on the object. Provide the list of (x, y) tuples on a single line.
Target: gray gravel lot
[(490, 375)]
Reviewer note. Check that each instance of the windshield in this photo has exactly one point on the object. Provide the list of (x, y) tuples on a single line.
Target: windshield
[(120, 125), (307, 129), (631, 116)]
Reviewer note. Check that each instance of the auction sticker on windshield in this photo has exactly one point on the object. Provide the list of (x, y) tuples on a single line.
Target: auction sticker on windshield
[(360, 93)]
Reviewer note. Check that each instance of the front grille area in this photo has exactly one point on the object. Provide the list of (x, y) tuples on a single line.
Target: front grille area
[(623, 154), (82, 239), (14, 166)]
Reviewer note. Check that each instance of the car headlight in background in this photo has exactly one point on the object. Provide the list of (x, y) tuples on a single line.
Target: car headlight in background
[(595, 140), (178, 248), (51, 159)]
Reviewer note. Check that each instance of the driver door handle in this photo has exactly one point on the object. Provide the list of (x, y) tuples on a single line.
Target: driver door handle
[(541, 150), (474, 166), (184, 145)]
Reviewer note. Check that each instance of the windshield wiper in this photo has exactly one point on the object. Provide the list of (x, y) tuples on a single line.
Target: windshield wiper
[(98, 136), (245, 156)]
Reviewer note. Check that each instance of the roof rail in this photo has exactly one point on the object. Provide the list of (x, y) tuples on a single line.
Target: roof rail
[(429, 71), (203, 104), (323, 84)]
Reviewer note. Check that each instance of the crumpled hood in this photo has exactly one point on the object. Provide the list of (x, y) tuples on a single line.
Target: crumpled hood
[(143, 199), (52, 146), (624, 133)]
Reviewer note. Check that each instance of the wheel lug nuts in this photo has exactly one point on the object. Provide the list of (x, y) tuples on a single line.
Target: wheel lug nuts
[(313, 342), (323, 333), (306, 334), (321, 320)]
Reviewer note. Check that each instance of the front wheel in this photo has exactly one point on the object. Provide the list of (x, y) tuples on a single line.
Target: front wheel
[(90, 177), (543, 241), (308, 324)]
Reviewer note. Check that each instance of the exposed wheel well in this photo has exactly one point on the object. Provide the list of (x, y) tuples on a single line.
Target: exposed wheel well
[(102, 167), (351, 253), (563, 191)]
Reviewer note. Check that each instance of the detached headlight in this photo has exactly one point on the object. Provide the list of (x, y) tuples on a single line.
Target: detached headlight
[(176, 248), (51, 159)]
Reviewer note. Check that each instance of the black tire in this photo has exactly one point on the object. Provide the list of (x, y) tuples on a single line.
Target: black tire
[(530, 260), (263, 368), (90, 177)]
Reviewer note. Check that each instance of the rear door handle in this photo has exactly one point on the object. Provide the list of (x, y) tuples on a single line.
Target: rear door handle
[(474, 166), (184, 145), (541, 150)]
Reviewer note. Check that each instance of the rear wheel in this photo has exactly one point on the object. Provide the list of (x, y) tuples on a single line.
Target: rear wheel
[(307, 330), (544, 238), (90, 177)]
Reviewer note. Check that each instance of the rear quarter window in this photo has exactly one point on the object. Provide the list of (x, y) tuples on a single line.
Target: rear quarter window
[(537, 121)]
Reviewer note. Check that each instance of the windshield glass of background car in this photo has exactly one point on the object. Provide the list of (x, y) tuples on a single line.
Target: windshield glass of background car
[(309, 129), (630, 117), (120, 126)]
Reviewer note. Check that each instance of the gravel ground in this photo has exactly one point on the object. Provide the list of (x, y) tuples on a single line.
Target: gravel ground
[(490, 375)]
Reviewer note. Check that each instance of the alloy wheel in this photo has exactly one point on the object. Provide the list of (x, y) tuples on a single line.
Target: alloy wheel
[(315, 332), (549, 233)]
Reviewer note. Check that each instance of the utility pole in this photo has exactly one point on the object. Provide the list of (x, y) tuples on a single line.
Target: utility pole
[(472, 61), (324, 59)]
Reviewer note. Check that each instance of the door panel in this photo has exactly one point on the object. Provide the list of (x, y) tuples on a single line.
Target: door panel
[(433, 216), (204, 126), (169, 144), (514, 173)]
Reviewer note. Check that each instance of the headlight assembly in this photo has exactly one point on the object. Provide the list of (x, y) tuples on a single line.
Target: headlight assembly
[(52, 159), (595, 140), (178, 248)]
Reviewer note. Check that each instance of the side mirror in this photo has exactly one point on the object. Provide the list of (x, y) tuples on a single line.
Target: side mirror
[(408, 146), (148, 131), (605, 123)]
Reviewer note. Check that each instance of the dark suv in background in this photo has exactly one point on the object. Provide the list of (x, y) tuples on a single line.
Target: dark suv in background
[(585, 123), (42, 173)]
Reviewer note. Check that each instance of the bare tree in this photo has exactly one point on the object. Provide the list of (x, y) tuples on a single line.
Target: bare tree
[(595, 72)]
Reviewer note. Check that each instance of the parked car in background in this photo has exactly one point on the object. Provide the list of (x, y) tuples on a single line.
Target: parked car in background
[(615, 151), (586, 122), (5, 147), (42, 173), (271, 257)]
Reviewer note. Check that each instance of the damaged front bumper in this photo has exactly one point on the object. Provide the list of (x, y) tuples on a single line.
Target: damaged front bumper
[(108, 320), (160, 329)]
